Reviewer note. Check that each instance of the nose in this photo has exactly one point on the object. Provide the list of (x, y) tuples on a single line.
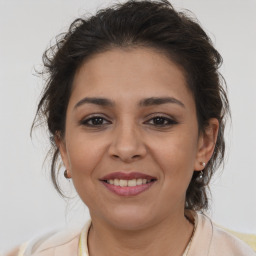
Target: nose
[(127, 144)]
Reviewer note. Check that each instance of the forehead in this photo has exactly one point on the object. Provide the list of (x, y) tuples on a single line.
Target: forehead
[(130, 73)]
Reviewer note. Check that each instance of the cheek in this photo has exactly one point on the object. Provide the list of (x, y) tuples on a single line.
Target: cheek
[(176, 155), (84, 158), (176, 161), (84, 155)]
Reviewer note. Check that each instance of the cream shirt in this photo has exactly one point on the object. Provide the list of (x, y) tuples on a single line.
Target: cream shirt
[(208, 240)]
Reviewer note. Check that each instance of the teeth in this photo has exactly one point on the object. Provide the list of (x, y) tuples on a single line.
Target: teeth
[(128, 183), (131, 183), (123, 183), (139, 181), (116, 182)]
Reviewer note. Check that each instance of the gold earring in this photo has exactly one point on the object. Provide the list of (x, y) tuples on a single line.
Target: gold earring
[(66, 174)]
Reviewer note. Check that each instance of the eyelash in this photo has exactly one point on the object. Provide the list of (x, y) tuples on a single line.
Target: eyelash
[(85, 122), (167, 121)]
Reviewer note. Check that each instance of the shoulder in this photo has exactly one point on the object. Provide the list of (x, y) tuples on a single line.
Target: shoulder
[(226, 241), (59, 243), (50, 244), (13, 252), (222, 242)]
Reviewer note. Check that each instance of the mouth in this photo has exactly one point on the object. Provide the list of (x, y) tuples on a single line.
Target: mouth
[(128, 184)]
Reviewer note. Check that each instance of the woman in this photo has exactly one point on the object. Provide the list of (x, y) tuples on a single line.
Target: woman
[(136, 110)]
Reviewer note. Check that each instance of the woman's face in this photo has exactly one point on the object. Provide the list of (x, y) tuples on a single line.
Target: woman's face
[(131, 120)]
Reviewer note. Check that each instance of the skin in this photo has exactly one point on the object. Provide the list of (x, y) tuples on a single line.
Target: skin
[(128, 138)]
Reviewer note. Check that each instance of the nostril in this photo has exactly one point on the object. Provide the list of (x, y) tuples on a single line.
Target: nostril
[(122, 150), (126, 158)]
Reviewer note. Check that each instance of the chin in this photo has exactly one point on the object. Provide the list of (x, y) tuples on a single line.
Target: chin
[(131, 218)]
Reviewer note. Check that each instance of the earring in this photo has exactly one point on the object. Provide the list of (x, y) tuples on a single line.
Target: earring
[(201, 174), (203, 164), (66, 174)]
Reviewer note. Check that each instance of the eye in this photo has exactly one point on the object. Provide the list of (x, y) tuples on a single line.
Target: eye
[(95, 121), (161, 121)]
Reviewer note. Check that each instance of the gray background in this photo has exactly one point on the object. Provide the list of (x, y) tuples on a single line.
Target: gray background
[(29, 205)]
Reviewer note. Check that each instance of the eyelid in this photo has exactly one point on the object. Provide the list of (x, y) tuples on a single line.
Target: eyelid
[(106, 120), (91, 116), (159, 114), (171, 120)]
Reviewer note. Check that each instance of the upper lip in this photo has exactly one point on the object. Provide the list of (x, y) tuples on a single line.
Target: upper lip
[(127, 176)]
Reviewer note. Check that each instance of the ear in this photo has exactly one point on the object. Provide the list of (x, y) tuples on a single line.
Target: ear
[(206, 144), (61, 144)]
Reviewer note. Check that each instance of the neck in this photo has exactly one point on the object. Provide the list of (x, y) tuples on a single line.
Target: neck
[(168, 237)]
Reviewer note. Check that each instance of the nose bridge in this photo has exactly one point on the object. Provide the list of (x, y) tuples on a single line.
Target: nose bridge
[(127, 143)]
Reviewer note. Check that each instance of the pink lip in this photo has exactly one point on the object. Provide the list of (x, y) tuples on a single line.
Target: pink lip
[(127, 176), (127, 191)]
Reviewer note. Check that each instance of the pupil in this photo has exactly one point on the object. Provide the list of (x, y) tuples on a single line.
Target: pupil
[(97, 121), (159, 120)]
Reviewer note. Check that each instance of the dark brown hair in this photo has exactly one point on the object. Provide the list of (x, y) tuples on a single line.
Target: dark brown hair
[(153, 24)]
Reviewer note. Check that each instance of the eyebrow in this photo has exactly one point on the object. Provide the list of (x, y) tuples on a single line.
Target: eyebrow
[(97, 101), (143, 103), (159, 100)]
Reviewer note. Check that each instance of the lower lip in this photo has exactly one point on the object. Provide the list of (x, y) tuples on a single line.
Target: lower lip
[(128, 191)]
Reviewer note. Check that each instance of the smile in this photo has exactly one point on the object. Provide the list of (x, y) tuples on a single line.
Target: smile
[(127, 184)]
